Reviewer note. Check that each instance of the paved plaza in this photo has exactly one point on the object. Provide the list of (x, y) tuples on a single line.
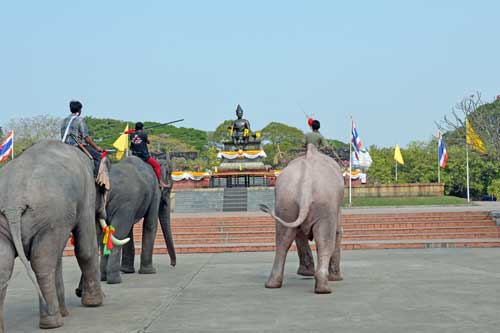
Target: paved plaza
[(433, 290)]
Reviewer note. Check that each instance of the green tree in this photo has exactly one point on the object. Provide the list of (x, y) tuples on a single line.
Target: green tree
[(287, 137)]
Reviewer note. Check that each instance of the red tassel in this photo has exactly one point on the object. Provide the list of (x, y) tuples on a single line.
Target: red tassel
[(72, 240)]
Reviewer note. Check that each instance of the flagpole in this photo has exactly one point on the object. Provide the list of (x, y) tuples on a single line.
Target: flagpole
[(467, 162), (439, 167), (350, 166), (396, 171)]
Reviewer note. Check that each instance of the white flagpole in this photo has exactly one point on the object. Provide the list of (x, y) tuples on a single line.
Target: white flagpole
[(467, 162), (350, 165), (396, 171), (439, 167), (12, 151)]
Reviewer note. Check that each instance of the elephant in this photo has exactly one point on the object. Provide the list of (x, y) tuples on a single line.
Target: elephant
[(309, 192), (135, 194), (47, 193)]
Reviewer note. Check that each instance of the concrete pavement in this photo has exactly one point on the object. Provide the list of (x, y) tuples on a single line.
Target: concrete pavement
[(433, 290)]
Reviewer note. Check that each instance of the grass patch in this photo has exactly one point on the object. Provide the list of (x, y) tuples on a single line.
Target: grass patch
[(405, 201)]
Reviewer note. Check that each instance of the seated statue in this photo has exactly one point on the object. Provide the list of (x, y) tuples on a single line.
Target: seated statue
[(240, 131)]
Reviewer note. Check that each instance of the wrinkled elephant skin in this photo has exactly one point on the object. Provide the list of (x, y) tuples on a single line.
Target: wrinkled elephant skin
[(135, 195), (309, 194), (50, 193)]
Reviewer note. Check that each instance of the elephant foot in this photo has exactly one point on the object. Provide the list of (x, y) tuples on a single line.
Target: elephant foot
[(78, 292), (51, 321), (63, 310), (274, 283), (147, 270), (92, 300), (321, 285), (114, 278), (127, 269), (305, 271), (335, 277)]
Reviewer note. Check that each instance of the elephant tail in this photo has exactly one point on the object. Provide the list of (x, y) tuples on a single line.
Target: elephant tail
[(13, 217), (304, 204)]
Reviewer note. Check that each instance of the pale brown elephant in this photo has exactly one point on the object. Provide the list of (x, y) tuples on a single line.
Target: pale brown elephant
[(309, 193)]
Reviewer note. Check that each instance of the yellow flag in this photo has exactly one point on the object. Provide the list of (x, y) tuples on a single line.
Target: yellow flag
[(472, 138), (121, 144), (397, 155)]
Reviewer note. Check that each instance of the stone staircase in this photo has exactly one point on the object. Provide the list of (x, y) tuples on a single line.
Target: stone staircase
[(241, 232), (235, 199)]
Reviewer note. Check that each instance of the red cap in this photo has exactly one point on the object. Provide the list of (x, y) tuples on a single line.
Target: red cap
[(310, 121)]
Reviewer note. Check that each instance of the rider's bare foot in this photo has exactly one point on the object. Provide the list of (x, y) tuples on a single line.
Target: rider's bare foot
[(162, 185)]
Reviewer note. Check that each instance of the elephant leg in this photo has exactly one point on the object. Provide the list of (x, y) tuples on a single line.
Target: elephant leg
[(88, 259), (8, 255), (334, 269), (44, 260), (306, 260), (60, 289), (149, 228), (123, 222), (128, 254), (113, 275), (284, 239), (324, 235)]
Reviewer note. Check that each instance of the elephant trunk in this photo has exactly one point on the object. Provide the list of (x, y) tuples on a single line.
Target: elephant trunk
[(164, 215), (115, 241)]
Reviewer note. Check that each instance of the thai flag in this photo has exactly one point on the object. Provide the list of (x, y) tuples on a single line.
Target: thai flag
[(442, 154), (7, 147), (356, 141)]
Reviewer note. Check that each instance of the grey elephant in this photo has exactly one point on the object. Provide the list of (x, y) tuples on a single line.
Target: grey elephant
[(47, 193), (309, 193), (135, 194)]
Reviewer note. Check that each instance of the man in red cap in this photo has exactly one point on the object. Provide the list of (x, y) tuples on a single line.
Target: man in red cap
[(314, 136)]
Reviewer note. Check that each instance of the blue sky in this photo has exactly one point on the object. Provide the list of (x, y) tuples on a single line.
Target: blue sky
[(395, 66)]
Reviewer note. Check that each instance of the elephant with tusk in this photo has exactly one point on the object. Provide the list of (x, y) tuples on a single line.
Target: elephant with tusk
[(309, 194), (135, 195), (47, 193)]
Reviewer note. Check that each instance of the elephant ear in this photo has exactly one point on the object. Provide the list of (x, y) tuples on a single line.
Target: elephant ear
[(166, 172), (103, 187), (102, 178)]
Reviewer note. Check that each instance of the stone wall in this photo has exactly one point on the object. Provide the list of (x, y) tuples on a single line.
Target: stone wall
[(397, 190), (212, 199), (198, 200)]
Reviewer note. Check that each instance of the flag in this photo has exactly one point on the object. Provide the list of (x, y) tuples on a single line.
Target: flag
[(397, 155), (121, 144), (7, 147), (473, 139), (356, 141), (442, 153)]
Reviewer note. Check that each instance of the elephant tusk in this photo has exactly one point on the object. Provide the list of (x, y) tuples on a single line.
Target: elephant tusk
[(116, 241), (119, 242), (103, 223)]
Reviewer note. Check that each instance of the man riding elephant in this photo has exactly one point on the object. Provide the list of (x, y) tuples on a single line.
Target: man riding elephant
[(74, 132), (139, 146), (50, 193), (135, 195)]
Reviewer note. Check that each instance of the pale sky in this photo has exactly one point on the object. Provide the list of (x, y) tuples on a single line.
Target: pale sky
[(395, 66)]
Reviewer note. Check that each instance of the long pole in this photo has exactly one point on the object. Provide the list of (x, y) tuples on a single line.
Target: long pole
[(396, 171), (350, 165), (439, 167), (467, 165), (126, 149)]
